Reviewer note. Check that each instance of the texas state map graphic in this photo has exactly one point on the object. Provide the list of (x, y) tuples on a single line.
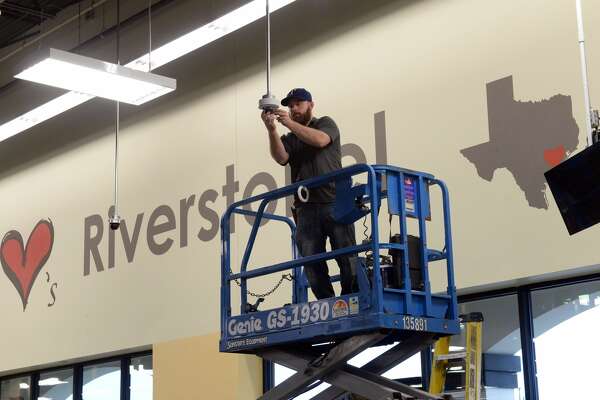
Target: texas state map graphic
[(525, 137)]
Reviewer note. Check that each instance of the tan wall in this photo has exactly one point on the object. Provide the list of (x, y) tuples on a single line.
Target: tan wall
[(192, 368), (425, 63)]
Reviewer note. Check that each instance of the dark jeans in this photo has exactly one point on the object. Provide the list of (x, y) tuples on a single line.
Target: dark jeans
[(315, 223)]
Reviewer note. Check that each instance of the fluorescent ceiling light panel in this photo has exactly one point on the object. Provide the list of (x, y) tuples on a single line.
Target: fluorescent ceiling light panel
[(88, 75), (208, 33), (42, 113), (179, 47)]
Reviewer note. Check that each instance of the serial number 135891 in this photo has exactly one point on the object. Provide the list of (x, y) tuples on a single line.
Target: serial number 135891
[(414, 323)]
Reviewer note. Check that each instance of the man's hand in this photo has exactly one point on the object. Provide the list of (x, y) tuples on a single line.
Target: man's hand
[(269, 120), (276, 146), (283, 117)]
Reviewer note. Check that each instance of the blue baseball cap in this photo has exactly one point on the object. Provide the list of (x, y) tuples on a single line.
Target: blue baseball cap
[(298, 94)]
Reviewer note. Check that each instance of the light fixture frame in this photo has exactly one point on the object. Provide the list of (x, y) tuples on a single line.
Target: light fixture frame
[(163, 55), (167, 84)]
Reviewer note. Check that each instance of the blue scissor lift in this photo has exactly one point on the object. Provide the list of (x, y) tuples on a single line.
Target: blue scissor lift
[(317, 338)]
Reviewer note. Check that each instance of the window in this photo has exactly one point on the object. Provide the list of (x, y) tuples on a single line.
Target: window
[(99, 380), (410, 368), (566, 322), (15, 388), (282, 373), (502, 374), (102, 381), (56, 385), (141, 373)]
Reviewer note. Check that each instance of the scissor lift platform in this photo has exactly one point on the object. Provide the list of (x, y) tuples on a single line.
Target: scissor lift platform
[(316, 338), (334, 319)]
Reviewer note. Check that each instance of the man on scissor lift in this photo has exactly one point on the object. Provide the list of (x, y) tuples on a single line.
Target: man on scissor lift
[(312, 148)]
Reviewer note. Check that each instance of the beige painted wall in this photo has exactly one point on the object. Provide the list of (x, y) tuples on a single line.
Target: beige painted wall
[(425, 63), (193, 368)]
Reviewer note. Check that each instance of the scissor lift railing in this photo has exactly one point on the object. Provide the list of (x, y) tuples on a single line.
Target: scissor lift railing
[(351, 323)]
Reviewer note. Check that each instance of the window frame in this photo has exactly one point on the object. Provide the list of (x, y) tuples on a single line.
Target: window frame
[(523, 293), (125, 361)]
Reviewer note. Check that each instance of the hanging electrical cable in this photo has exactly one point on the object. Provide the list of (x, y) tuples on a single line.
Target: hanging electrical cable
[(149, 35), (79, 24), (268, 102), (584, 74), (114, 220), (592, 119)]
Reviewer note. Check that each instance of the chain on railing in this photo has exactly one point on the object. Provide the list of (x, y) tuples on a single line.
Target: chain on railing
[(284, 277)]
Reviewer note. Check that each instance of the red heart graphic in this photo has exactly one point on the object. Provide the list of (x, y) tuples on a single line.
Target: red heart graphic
[(22, 266), (554, 156)]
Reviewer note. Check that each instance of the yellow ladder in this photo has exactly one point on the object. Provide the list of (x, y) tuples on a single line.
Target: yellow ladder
[(470, 358)]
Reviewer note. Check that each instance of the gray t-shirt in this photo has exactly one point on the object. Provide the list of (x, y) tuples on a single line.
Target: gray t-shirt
[(307, 161)]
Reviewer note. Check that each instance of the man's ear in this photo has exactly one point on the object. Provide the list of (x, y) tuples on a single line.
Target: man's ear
[(312, 104)]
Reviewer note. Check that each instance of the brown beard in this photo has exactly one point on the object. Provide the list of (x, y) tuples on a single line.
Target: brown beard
[(303, 119)]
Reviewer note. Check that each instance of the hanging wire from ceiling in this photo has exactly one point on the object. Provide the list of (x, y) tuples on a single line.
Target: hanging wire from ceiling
[(268, 102), (149, 35), (40, 25), (591, 115), (79, 24), (115, 220), (268, 36)]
